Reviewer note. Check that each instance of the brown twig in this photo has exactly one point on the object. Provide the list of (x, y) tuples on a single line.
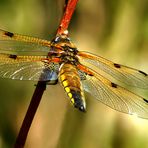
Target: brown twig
[(67, 16), (41, 86), (36, 98)]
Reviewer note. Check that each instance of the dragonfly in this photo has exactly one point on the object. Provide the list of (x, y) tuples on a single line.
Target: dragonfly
[(59, 60)]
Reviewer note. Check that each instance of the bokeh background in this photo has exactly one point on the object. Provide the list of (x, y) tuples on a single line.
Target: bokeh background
[(117, 30)]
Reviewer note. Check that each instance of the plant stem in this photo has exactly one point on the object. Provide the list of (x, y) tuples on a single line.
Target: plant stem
[(67, 16), (36, 98)]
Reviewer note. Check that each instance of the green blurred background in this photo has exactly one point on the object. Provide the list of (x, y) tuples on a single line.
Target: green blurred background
[(117, 30)]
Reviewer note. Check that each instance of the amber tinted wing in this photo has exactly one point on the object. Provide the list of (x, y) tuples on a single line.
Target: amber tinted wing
[(24, 58), (113, 95), (127, 75), (27, 68), (11, 43)]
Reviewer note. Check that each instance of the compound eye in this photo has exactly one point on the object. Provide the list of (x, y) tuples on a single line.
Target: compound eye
[(57, 39), (68, 39)]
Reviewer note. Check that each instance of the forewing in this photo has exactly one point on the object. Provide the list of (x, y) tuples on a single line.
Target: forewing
[(115, 96), (11, 43), (127, 75), (27, 68)]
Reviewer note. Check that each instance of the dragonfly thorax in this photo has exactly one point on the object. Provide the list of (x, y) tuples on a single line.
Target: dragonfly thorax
[(69, 56), (68, 51)]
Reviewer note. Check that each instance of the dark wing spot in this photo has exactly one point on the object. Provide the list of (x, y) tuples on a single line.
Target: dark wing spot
[(90, 74), (145, 74), (9, 34), (145, 100), (117, 65), (12, 56), (114, 85)]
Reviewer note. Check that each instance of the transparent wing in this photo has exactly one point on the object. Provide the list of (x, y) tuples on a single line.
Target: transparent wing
[(27, 68), (113, 95), (127, 75), (11, 43)]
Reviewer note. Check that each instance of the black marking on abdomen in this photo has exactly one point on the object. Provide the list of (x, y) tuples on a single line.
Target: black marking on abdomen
[(145, 100), (10, 34), (117, 65), (145, 74), (114, 85), (78, 102), (13, 56)]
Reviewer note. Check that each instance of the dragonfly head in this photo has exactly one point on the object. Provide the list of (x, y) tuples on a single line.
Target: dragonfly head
[(62, 41)]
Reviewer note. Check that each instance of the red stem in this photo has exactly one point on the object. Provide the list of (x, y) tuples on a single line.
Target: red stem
[(36, 98), (41, 86), (67, 16)]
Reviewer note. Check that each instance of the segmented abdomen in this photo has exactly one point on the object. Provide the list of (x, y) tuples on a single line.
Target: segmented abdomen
[(70, 80)]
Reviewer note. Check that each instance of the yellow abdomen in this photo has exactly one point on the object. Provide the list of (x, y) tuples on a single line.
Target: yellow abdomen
[(70, 80)]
